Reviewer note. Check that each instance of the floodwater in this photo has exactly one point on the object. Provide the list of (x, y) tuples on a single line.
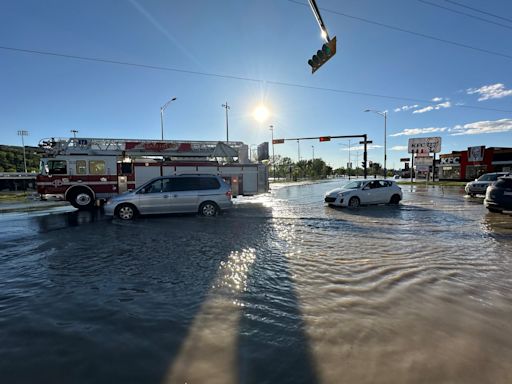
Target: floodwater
[(282, 289)]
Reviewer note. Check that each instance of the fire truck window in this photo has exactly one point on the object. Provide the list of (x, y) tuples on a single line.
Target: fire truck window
[(81, 167), (97, 167), (57, 167), (126, 168)]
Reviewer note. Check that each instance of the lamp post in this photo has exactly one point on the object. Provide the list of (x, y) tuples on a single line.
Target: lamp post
[(162, 109), (385, 114), (313, 149), (226, 106), (23, 133), (271, 127), (74, 132)]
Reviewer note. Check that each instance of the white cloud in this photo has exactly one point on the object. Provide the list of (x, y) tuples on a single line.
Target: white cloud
[(437, 99), (419, 131), (493, 91), (428, 108), (425, 109), (406, 107), (400, 148), (480, 127)]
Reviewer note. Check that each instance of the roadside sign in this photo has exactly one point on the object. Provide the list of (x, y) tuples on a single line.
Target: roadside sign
[(425, 145), (405, 159), (423, 160), (278, 141)]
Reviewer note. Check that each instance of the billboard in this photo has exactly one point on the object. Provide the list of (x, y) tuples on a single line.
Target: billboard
[(425, 145), (423, 160), (476, 153), (263, 151)]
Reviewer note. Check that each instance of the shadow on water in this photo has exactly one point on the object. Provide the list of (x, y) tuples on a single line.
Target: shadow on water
[(273, 346), (108, 301)]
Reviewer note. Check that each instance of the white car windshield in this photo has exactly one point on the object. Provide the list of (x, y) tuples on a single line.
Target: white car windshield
[(488, 178), (353, 185)]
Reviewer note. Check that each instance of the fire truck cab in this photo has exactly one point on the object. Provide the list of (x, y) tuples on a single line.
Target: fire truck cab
[(87, 171)]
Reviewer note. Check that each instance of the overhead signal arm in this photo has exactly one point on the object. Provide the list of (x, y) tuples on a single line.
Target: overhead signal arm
[(328, 49)]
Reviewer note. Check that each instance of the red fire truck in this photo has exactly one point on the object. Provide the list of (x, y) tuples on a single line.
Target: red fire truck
[(87, 171)]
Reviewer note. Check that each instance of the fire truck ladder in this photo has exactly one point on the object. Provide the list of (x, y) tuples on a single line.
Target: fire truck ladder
[(131, 147)]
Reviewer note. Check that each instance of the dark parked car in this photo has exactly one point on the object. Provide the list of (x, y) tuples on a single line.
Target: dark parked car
[(498, 197)]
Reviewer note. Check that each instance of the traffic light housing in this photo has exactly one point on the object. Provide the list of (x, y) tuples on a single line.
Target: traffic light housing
[(328, 50), (363, 163)]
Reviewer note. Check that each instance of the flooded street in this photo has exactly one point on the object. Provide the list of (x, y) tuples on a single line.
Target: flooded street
[(281, 289)]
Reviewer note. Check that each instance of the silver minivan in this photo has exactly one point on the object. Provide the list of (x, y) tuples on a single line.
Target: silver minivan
[(207, 195)]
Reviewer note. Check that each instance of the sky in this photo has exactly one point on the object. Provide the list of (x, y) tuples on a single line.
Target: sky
[(106, 67)]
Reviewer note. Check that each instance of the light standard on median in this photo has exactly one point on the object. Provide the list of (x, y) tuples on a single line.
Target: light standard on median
[(271, 127), (23, 133), (385, 114), (226, 106), (162, 109)]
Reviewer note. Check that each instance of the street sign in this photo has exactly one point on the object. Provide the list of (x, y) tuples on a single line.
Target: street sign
[(278, 141), (325, 138), (405, 159), (425, 145), (423, 160)]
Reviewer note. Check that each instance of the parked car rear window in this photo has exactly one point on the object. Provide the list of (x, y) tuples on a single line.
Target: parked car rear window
[(504, 183)]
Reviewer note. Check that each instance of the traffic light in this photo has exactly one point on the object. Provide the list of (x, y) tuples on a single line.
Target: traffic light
[(363, 163), (328, 50), (325, 138)]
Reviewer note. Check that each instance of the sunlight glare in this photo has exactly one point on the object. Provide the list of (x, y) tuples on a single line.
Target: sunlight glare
[(261, 113)]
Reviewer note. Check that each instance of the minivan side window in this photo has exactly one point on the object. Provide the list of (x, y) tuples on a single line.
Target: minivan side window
[(206, 183), (185, 184)]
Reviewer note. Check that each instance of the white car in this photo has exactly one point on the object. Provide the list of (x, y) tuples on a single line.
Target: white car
[(362, 192)]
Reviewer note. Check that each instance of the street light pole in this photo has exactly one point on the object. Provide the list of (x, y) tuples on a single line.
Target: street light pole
[(162, 109), (385, 114), (271, 127), (74, 132), (23, 133), (226, 106), (313, 148)]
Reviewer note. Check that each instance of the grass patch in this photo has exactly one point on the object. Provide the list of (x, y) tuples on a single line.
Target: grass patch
[(13, 196)]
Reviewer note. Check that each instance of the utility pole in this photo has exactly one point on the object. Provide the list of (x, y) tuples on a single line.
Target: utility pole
[(226, 106), (23, 133), (298, 150), (271, 127)]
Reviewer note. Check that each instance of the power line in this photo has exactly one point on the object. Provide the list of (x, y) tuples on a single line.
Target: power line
[(462, 45), (232, 77), (465, 14), (478, 10)]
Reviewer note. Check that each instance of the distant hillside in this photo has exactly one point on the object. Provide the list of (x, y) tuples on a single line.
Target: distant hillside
[(11, 158)]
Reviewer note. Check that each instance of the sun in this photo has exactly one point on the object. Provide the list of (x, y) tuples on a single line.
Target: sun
[(261, 113)]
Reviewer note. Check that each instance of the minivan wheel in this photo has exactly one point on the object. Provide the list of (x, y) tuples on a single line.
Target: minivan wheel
[(208, 208), (126, 212), (395, 199), (494, 210), (354, 202)]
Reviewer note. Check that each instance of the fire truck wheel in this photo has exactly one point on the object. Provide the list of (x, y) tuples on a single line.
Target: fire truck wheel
[(208, 208), (126, 212), (81, 199)]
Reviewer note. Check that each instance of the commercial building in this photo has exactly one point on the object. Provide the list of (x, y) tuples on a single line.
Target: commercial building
[(473, 162)]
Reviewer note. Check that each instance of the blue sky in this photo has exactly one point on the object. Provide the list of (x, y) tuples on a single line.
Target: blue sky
[(251, 52)]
